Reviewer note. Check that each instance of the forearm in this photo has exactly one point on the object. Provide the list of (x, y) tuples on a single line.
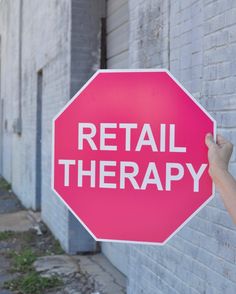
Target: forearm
[(227, 187)]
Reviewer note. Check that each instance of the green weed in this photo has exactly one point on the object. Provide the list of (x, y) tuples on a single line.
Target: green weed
[(6, 235), (23, 260), (4, 184), (32, 283), (57, 248)]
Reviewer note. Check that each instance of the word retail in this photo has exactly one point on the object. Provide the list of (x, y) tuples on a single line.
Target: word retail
[(114, 174)]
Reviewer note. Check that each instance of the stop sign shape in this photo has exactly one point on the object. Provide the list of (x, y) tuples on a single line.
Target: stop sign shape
[(129, 158)]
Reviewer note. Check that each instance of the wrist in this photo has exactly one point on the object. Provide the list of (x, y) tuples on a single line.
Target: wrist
[(218, 175)]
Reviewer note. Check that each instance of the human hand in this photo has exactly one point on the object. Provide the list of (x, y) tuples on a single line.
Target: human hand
[(219, 154)]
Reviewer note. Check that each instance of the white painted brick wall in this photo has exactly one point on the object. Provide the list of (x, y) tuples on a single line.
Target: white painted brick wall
[(9, 94), (201, 35), (201, 258), (55, 94), (46, 46), (61, 38)]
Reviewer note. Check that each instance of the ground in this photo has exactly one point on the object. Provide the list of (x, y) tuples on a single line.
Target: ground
[(33, 262)]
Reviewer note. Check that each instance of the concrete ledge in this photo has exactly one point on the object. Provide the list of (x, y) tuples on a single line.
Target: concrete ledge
[(19, 221), (109, 279)]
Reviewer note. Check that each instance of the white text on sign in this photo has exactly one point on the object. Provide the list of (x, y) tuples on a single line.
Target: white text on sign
[(129, 170)]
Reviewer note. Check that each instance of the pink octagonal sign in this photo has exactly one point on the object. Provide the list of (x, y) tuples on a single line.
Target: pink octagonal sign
[(129, 158)]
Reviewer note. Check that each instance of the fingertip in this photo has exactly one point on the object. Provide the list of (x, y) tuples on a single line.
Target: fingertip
[(209, 135)]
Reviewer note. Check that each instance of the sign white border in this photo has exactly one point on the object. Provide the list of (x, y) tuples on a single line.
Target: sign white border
[(53, 140)]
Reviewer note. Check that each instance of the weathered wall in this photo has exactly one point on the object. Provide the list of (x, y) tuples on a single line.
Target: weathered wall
[(197, 41), (9, 94), (41, 42), (61, 40), (85, 60)]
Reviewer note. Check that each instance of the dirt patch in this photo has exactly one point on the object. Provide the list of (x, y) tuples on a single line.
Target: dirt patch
[(22, 249)]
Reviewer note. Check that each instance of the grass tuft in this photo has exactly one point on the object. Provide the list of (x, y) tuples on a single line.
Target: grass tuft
[(32, 283), (57, 248), (6, 235), (27, 280), (23, 260), (4, 184)]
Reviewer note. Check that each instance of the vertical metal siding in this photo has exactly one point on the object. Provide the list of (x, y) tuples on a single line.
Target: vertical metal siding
[(117, 57), (117, 33)]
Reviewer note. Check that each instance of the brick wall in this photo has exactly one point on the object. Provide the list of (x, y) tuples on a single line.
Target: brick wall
[(196, 40), (201, 37), (61, 39), (45, 41), (8, 95), (55, 94)]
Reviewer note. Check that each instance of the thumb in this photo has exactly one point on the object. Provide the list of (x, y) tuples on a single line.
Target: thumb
[(209, 140)]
